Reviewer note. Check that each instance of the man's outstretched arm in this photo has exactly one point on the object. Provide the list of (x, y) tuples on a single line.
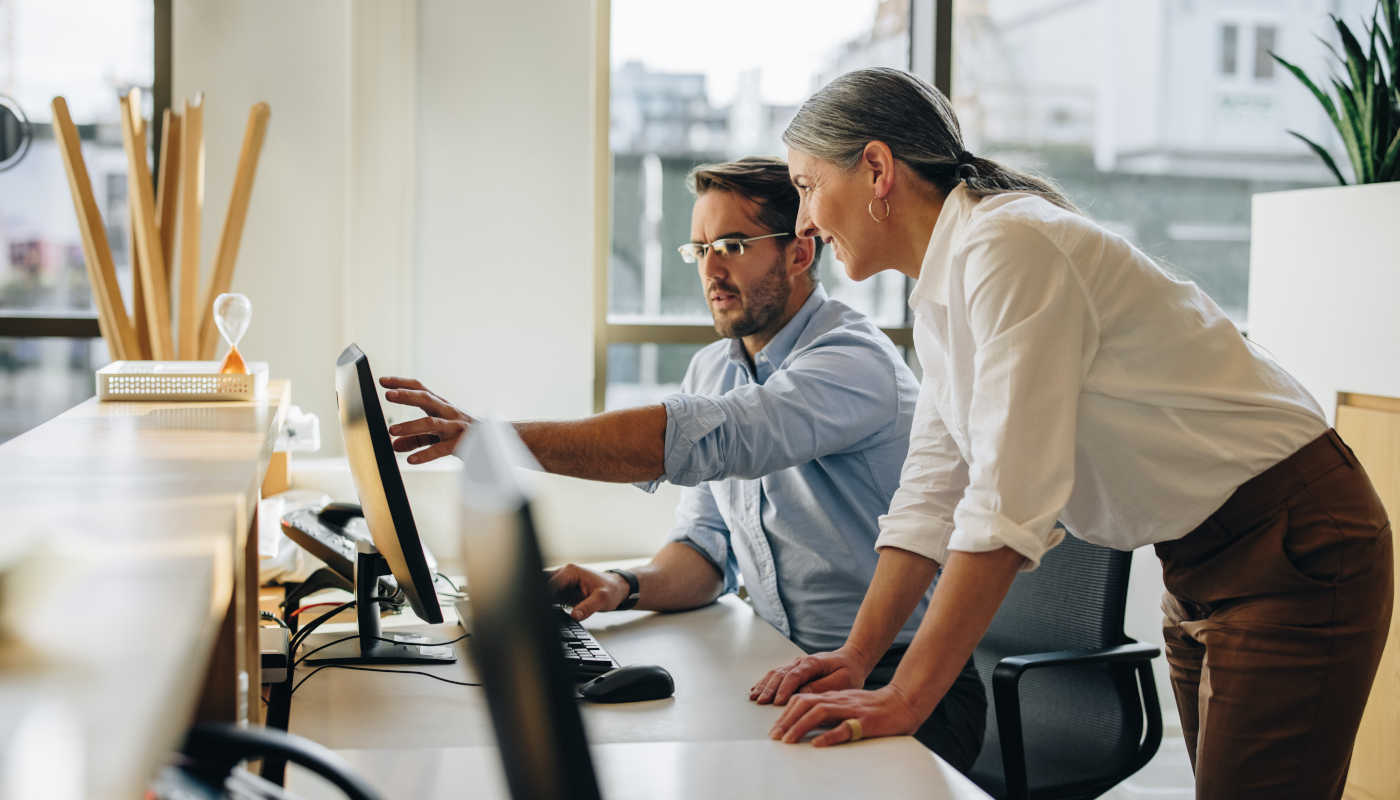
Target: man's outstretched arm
[(625, 446)]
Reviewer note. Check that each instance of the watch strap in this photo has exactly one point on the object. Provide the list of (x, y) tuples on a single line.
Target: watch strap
[(633, 591)]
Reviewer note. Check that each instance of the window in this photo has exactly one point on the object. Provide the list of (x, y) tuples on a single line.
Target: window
[(1263, 45), (89, 53), (1172, 169), (1229, 48), (688, 88)]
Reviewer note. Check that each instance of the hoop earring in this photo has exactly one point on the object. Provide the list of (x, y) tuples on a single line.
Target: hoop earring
[(870, 209)]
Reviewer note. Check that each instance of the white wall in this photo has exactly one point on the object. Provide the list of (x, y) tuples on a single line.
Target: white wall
[(426, 190), (294, 57)]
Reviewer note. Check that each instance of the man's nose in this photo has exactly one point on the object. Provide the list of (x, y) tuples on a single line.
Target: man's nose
[(712, 264)]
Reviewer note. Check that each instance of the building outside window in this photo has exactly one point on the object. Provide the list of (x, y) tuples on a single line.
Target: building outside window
[(1145, 122), (689, 88), (90, 52)]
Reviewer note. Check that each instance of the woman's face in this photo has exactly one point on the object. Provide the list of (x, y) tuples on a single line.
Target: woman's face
[(834, 207)]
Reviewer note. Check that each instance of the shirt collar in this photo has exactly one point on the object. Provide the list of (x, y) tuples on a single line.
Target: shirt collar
[(933, 273), (776, 351)]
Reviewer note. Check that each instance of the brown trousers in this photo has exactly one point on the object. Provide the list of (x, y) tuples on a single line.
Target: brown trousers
[(1277, 609)]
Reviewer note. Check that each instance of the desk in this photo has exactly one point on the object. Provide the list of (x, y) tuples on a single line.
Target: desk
[(414, 737), (128, 614)]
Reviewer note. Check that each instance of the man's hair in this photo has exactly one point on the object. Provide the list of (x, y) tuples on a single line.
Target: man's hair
[(765, 181)]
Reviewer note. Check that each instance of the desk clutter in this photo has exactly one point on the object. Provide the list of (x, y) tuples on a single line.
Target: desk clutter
[(165, 345)]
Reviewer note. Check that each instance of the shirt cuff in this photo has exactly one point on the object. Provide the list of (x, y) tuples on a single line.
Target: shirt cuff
[(731, 583), (979, 532), (922, 536), (689, 418)]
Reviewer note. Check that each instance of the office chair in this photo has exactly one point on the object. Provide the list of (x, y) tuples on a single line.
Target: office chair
[(1072, 705), (212, 751)]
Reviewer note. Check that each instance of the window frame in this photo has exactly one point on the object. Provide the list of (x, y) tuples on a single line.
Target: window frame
[(24, 324), (930, 55)]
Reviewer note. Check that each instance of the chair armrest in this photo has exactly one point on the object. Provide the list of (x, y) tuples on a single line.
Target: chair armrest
[(1011, 667), (1006, 678)]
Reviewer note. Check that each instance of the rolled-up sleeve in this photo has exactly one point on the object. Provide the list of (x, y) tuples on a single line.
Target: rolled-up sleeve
[(826, 400), (700, 526), (1034, 333), (931, 482)]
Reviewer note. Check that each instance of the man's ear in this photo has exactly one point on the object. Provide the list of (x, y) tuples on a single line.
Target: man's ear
[(878, 161), (800, 255)]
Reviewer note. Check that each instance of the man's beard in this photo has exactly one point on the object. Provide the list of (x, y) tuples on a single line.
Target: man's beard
[(763, 304)]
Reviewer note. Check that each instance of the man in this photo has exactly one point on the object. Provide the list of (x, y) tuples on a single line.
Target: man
[(788, 434)]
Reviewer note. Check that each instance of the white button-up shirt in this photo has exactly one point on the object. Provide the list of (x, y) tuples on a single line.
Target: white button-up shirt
[(1067, 377)]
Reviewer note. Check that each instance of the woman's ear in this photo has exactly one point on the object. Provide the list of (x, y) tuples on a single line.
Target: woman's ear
[(878, 160)]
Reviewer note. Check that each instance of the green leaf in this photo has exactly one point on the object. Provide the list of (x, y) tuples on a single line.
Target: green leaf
[(1323, 154), (1353, 135), (1306, 81), (1389, 169), (1356, 57)]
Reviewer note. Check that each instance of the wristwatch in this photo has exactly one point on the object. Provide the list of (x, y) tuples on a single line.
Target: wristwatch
[(633, 593)]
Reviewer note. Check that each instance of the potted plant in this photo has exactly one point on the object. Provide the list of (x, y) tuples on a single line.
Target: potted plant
[(1324, 272)]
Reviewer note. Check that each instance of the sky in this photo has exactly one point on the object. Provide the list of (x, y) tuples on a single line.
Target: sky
[(788, 39)]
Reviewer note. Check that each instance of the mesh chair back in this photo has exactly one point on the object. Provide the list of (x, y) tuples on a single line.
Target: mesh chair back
[(1078, 722)]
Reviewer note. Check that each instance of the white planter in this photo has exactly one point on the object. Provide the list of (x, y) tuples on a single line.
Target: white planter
[(1324, 287)]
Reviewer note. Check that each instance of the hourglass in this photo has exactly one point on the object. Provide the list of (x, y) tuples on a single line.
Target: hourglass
[(232, 313)]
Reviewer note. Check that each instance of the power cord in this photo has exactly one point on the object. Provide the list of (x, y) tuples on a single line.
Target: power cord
[(319, 648), (379, 669)]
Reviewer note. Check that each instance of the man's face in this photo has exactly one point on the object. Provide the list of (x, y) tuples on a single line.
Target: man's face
[(746, 293)]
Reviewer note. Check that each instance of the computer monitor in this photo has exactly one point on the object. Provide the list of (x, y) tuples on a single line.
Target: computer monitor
[(515, 639), (397, 549)]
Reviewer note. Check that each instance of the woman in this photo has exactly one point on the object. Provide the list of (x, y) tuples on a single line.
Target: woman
[(1067, 377)]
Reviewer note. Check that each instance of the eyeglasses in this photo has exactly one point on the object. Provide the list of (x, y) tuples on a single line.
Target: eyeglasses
[(692, 252)]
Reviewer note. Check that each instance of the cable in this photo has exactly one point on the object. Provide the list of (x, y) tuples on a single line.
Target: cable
[(378, 669), (456, 593), (314, 624), (300, 637), (319, 648), (271, 617), (293, 613)]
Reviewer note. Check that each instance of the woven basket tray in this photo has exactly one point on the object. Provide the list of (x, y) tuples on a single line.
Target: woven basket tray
[(178, 380)]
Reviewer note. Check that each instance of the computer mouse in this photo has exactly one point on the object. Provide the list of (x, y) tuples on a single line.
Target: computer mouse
[(629, 684)]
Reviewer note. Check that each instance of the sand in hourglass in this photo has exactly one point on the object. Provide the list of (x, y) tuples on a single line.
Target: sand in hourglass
[(232, 313), (233, 363)]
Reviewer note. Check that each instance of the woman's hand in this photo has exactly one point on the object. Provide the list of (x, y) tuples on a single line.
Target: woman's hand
[(818, 672), (437, 434), (883, 712)]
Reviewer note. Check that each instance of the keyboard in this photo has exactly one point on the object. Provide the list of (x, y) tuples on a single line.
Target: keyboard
[(585, 658)]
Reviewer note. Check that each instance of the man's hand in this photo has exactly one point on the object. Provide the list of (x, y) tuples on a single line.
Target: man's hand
[(437, 434), (586, 590), (818, 672)]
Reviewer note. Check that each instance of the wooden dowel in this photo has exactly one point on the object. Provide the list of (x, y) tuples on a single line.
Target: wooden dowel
[(140, 194), (167, 191), (191, 209), (222, 277), (138, 292), (111, 313)]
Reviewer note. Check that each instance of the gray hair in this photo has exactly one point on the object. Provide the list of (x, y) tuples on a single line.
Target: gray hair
[(916, 121)]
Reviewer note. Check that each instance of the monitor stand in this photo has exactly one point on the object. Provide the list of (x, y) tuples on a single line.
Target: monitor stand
[(373, 645)]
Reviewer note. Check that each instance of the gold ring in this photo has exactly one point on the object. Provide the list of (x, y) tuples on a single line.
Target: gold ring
[(853, 725)]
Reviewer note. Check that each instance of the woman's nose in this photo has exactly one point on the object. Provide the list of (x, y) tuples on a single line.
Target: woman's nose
[(805, 227)]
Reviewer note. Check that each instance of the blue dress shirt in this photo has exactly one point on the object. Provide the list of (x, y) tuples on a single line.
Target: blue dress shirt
[(788, 465)]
